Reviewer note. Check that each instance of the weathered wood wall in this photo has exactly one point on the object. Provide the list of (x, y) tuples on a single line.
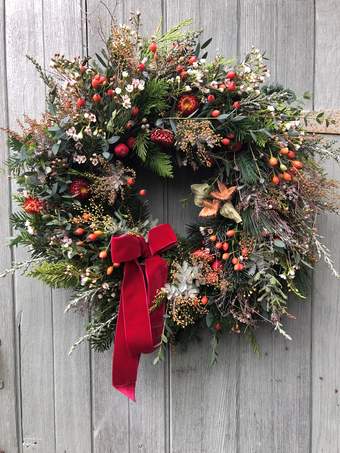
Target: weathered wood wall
[(285, 401)]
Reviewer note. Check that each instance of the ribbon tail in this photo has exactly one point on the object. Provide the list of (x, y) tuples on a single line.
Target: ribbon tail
[(124, 364)]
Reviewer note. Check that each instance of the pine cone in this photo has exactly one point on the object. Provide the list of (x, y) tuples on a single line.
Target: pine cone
[(163, 137)]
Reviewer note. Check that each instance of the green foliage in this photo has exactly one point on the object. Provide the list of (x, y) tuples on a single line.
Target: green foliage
[(141, 146), (58, 275), (160, 163), (100, 334), (154, 98)]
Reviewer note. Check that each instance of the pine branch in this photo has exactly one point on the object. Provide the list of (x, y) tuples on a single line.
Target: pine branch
[(57, 275)]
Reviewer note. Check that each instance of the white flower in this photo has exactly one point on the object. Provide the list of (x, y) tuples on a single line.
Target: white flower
[(126, 102), (129, 88), (125, 74), (29, 227), (79, 158), (141, 85), (214, 84), (187, 88), (135, 83), (118, 90), (271, 108), (105, 286)]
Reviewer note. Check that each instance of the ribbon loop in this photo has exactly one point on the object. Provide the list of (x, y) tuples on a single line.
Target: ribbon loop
[(138, 331)]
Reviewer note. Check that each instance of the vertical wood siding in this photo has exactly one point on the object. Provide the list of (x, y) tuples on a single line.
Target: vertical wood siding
[(287, 400)]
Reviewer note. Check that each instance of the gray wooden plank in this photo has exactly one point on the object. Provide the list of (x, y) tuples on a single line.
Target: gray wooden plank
[(24, 31), (275, 389), (110, 409), (9, 422), (63, 33), (326, 289), (203, 400)]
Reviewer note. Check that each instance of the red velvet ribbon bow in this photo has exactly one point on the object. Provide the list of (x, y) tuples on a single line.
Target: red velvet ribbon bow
[(138, 331)]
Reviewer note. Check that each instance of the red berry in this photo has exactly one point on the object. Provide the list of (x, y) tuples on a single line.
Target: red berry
[(179, 69), (273, 161), (276, 180), (92, 237), (110, 92), (230, 233), (96, 98), (130, 181), (218, 245), (231, 75), (134, 111), (225, 246), (204, 300), (297, 164), (211, 98), (225, 141), (218, 326), (192, 59), (225, 256), (215, 113), (79, 231), (287, 177), (183, 75), (121, 150), (239, 267), (103, 254), (141, 67), (284, 151), (142, 192), (231, 86), (236, 146), (216, 265), (291, 155), (237, 105), (131, 141), (153, 47), (234, 260), (80, 103)]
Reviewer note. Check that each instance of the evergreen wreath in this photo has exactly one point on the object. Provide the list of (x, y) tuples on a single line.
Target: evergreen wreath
[(157, 102)]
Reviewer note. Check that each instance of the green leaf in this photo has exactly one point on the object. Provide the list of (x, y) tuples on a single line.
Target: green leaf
[(141, 146), (55, 148), (113, 139), (206, 43), (279, 243), (160, 163)]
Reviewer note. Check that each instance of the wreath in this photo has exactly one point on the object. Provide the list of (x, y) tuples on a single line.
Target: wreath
[(158, 103)]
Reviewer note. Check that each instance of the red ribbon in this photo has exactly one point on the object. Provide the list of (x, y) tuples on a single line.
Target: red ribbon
[(138, 331)]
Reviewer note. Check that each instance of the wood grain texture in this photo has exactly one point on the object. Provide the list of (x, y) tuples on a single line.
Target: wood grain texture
[(63, 33), (315, 127), (24, 35), (326, 295), (277, 385), (285, 400), (9, 420)]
